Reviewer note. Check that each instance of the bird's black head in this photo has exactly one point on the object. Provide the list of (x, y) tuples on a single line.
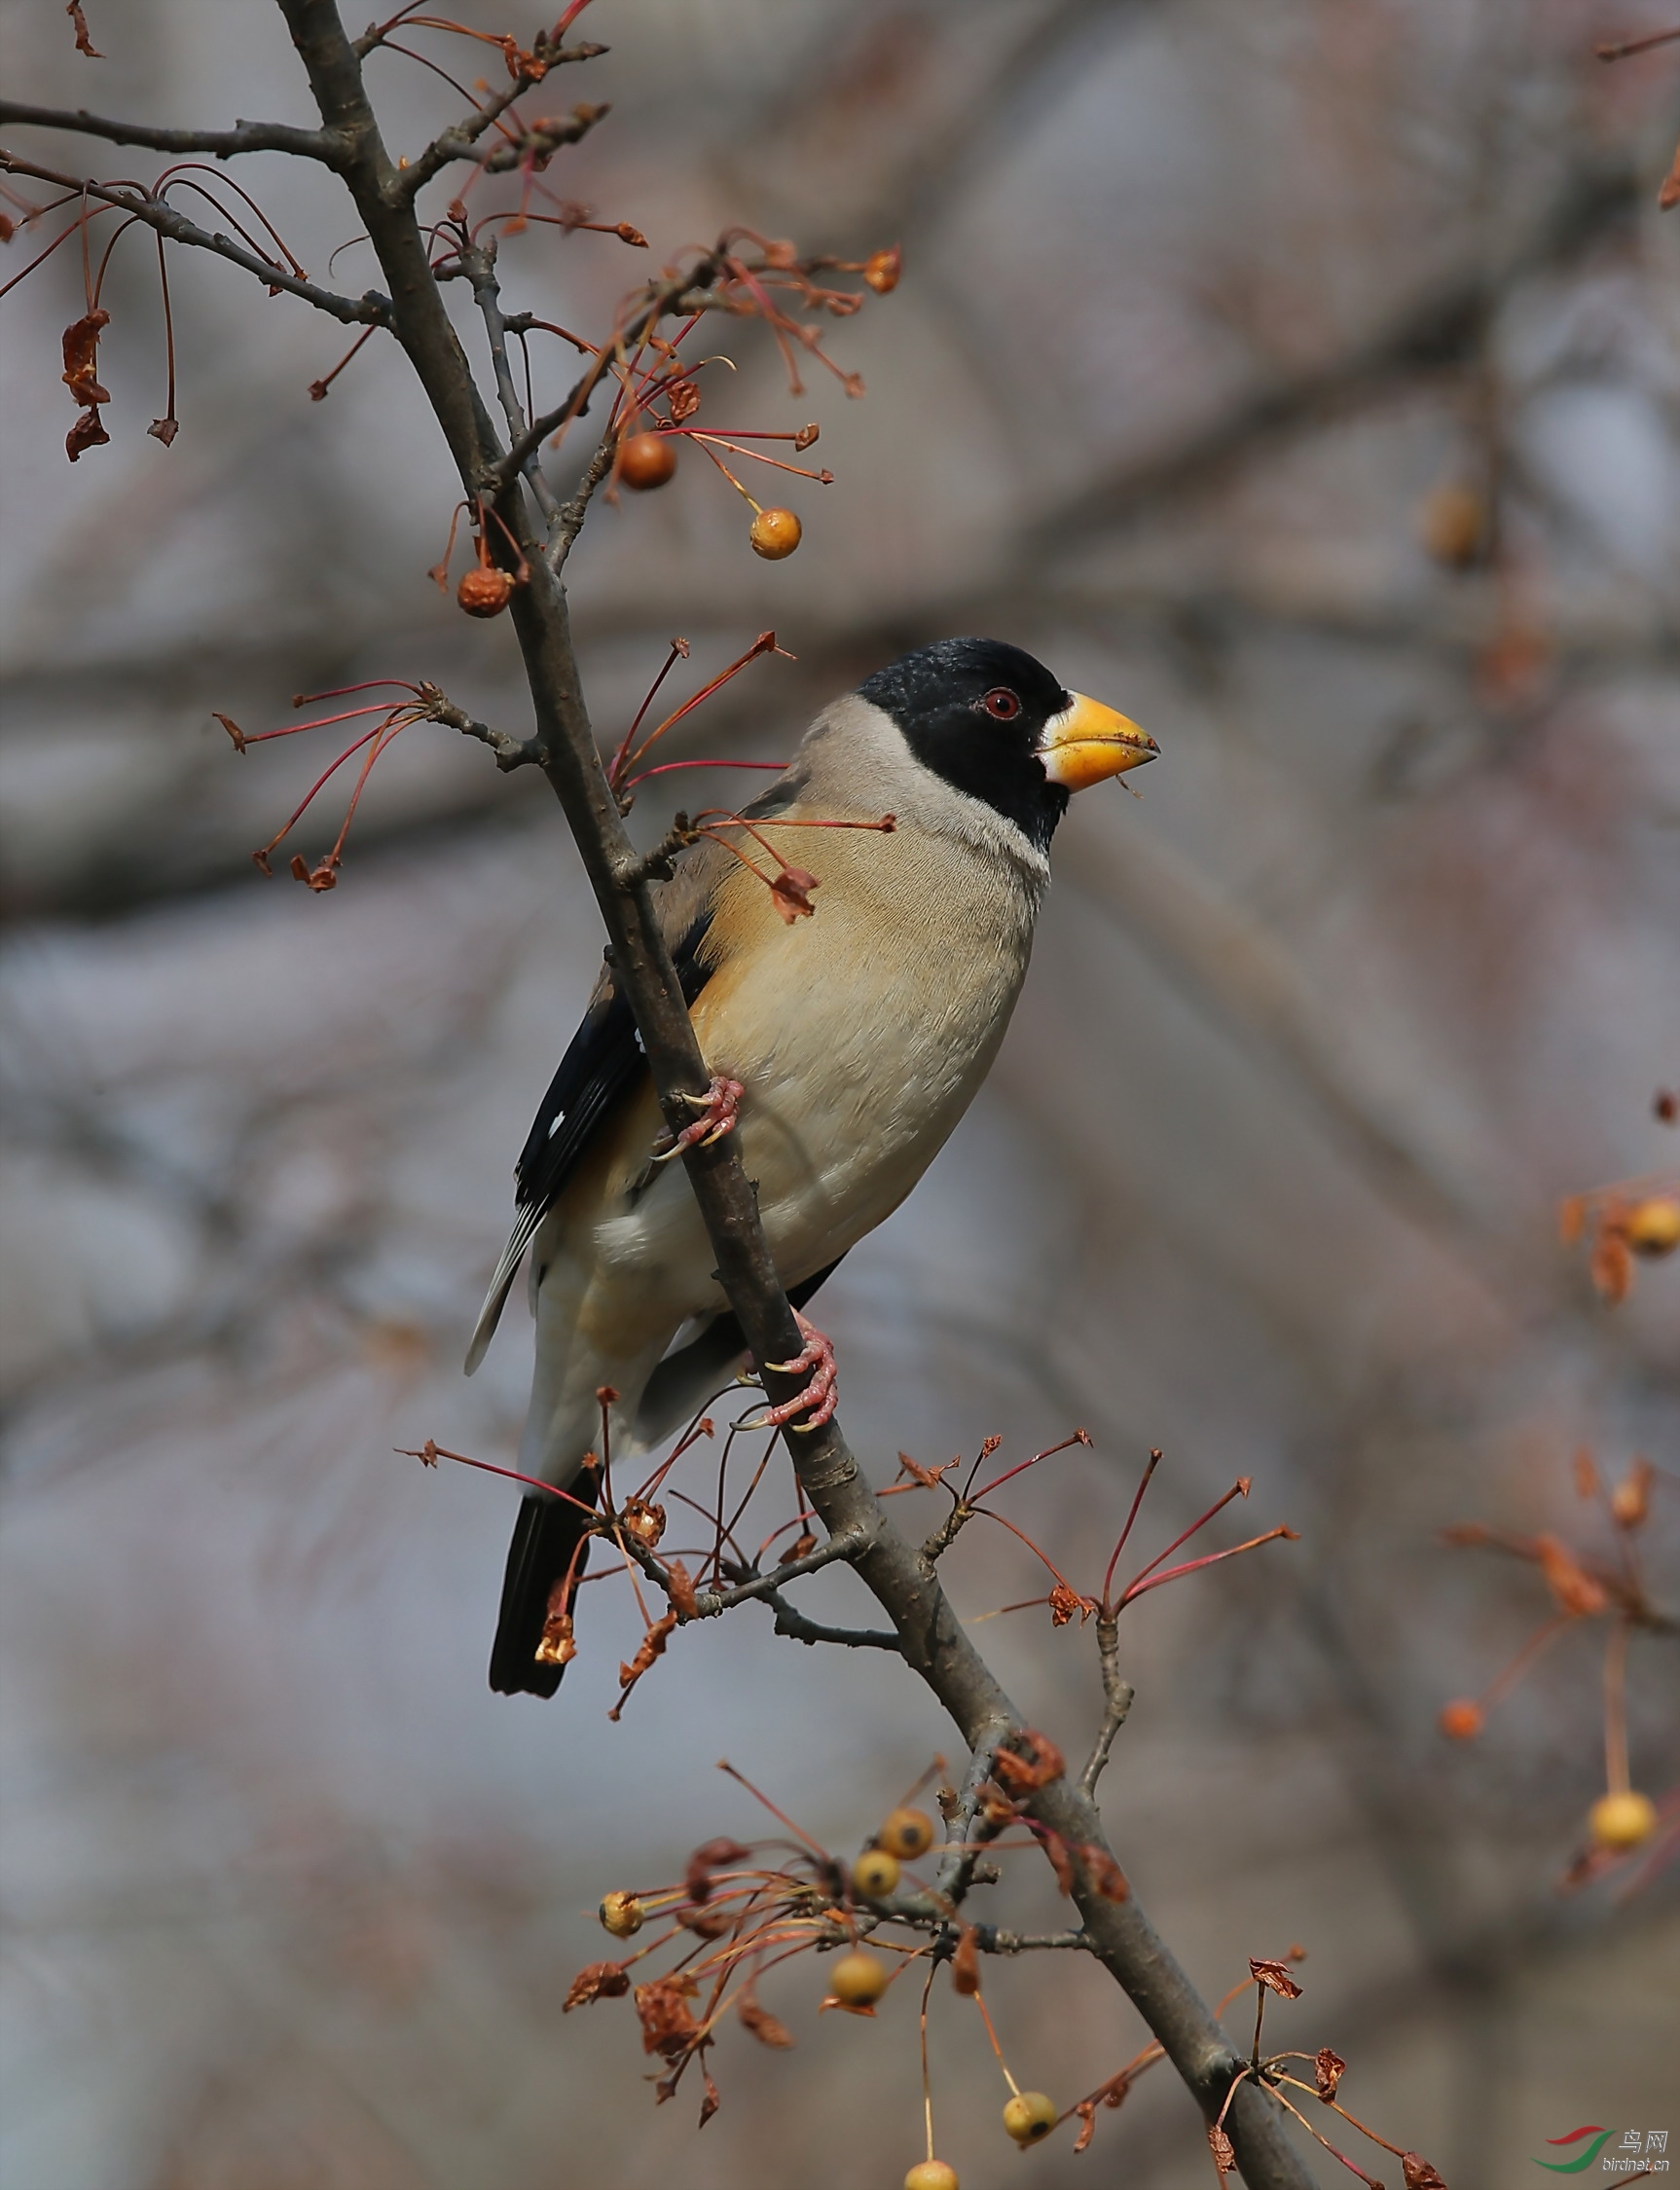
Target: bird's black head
[(974, 711)]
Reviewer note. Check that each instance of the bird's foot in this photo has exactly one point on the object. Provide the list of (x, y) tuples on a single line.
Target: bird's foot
[(719, 1110), (816, 1361)]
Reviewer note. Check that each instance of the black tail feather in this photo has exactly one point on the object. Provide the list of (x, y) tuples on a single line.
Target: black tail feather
[(545, 1536)]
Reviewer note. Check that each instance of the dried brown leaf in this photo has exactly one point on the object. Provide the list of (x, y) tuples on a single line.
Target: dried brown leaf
[(1611, 1267), (668, 2024), (1275, 1977), (1086, 2110), (767, 2028), (680, 1588), (711, 1855), (1223, 2150), (1103, 1873), (1032, 1761), (89, 432), (643, 1520), (1061, 1862), (165, 430), (650, 1647), (84, 43), (1329, 2068), (601, 1981), (1418, 2174), (966, 1964), (82, 357), (791, 894), (712, 2101), (1575, 1591), (233, 729)]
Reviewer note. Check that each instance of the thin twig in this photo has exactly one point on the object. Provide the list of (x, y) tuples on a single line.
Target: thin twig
[(1117, 1693), (369, 310)]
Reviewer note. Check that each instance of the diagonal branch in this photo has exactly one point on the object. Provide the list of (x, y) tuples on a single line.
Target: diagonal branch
[(478, 265), (222, 144), (371, 309)]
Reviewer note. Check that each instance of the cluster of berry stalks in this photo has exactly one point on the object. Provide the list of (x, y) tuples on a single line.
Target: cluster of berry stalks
[(743, 1920)]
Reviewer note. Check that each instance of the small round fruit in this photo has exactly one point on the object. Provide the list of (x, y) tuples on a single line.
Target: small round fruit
[(775, 532), (1653, 1228), (906, 1834), (621, 1913), (1461, 1720), (857, 1980), (932, 2174), (646, 461), (882, 269), (1619, 1822), (484, 591), (1030, 2116), (875, 1874)]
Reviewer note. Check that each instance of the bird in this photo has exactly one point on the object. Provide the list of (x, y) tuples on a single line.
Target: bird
[(846, 1022)]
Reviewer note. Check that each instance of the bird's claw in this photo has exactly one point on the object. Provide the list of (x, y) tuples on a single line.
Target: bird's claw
[(820, 1395), (719, 1110)]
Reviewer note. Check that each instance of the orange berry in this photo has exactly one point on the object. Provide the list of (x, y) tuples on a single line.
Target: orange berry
[(881, 268), (1030, 2116), (1653, 1228), (906, 1834), (484, 591), (646, 461), (775, 532), (1619, 1822), (875, 1874), (932, 2174), (1461, 1721), (622, 1913), (857, 1980)]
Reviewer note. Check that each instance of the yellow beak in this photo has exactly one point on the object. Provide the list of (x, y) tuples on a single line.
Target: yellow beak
[(1089, 743)]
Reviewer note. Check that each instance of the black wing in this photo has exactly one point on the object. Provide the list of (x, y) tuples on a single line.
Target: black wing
[(604, 1063)]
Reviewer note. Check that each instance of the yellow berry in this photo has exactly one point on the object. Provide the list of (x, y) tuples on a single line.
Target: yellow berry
[(1619, 1822), (907, 1834), (932, 2174), (621, 1913), (857, 1980), (1653, 1228), (1029, 2116), (646, 461), (875, 1874), (775, 534)]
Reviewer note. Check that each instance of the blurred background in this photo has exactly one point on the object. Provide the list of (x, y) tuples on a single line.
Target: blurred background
[(1304, 382)]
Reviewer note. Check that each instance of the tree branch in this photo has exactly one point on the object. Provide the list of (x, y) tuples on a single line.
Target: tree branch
[(371, 309), (1117, 1693), (478, 266), (222, 144), (792, 1622)]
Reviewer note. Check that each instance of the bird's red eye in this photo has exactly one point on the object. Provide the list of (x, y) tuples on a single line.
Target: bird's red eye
[(1001, 704)]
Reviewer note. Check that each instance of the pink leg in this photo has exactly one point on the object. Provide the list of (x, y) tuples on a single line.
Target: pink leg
[(820, 1395), (717, 1107)]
